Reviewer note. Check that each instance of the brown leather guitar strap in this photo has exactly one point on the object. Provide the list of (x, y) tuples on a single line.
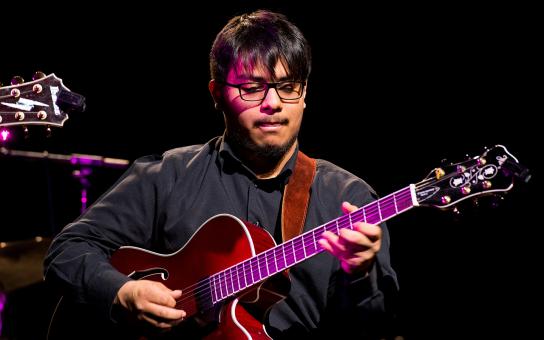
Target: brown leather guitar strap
[(296, 197)]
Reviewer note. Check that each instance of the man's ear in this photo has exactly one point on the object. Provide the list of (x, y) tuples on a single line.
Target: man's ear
[(304, 94), (215, 91)]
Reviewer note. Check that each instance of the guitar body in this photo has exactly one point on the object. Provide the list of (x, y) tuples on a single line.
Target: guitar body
[(219, 243)]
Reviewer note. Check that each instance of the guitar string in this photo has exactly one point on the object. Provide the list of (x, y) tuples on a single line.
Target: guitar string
[(203, 295), (204, 285), (269, 253), (343, 221)]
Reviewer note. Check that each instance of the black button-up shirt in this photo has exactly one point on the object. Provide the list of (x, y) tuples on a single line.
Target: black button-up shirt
[(161, 201)]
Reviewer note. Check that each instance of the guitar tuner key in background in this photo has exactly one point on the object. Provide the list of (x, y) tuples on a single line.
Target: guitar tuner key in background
[(16, 80), (38, 75), (37, 88), (19, 115), (439, 173), (15, 93), (43, 101)]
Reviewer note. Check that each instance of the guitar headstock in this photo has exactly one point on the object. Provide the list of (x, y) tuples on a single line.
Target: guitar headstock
[(491, 173), (43, 101)]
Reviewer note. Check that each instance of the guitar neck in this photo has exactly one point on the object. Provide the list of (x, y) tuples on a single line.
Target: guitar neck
[(274, 260)]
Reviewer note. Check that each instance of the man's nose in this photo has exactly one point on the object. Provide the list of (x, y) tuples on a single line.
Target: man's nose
[(272, 99)]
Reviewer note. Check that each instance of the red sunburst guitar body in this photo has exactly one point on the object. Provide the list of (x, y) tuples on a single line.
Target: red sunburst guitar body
[(220, 243)]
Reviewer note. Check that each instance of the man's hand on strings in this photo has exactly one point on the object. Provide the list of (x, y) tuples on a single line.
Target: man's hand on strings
[(356, 249), (152, 302)]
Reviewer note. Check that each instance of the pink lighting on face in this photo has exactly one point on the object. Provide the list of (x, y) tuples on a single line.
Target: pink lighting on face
[(4, 134)]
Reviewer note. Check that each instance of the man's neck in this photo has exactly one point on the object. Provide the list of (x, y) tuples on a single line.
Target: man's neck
[(265, 168)]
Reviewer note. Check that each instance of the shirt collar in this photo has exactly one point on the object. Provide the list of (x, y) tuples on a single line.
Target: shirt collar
[(226, 155)]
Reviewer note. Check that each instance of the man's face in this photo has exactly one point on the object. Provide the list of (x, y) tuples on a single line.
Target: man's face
[(268, 127)]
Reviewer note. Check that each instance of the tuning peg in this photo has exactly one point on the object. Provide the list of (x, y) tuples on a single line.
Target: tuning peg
[(461, 169), (17, 80), (38, 75)]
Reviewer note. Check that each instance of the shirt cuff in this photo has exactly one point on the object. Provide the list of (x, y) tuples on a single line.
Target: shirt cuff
[(362, 286), (108, 282)]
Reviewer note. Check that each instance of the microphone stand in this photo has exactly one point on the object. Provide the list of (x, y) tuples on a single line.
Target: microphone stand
[(85, 163)]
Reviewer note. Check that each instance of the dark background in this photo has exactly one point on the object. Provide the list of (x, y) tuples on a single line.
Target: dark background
[(393, 91)]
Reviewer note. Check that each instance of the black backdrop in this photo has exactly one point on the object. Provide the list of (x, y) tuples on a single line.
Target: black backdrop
[(393, 91)]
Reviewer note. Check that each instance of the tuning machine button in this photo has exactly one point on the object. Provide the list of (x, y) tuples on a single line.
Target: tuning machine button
[(37, 88), (38, 75), (439, 173), (17, 80), (465, 190), (19, 115), (445, 199), (42, 115)]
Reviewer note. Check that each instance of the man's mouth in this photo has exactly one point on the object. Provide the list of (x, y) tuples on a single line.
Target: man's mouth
[(270, 125)]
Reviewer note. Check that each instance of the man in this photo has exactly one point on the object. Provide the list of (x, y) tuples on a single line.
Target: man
[(260, 64)]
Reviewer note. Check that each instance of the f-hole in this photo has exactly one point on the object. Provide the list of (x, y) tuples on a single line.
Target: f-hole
[(140, 274)]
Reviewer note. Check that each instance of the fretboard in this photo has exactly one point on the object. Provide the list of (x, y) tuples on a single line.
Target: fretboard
[(274, 260)]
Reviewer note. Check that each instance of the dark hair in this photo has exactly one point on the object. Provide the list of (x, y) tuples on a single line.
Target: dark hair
[(260, 38)]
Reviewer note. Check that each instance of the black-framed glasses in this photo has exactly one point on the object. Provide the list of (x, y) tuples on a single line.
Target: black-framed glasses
[(255, 91)]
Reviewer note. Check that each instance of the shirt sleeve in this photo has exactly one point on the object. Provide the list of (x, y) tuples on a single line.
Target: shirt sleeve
[(77, 261)]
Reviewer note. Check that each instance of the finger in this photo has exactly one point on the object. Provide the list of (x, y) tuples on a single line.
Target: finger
[(163, 312), (162, 295), (348, 207), (157, 323), (176, 294), (325, 245), (329, 242), (352, 238), (371, 231)]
